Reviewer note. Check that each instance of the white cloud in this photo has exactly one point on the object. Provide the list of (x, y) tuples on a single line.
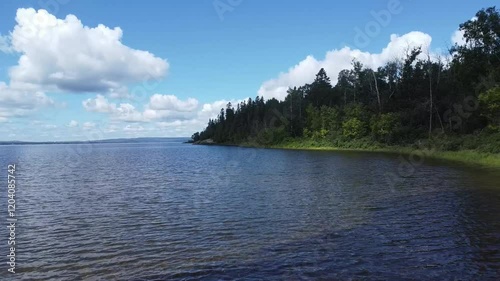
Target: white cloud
[(152, 114), (65, 55), (171, 102), (458, 38), (99, 104), (182, 117), (16, 103), (337, 60), (22, 99), (73, 124), (159, 107), (124, 111), (212, 110), (88, 125), (127, 112), (120, 93), (174, 124)]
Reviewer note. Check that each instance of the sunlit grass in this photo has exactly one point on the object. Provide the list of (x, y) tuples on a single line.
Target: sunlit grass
[(464, 156)]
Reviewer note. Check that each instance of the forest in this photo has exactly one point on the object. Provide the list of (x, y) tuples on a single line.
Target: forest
[(451, 103)]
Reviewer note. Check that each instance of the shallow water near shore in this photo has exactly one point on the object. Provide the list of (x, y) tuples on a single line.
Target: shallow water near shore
[(173, 211)]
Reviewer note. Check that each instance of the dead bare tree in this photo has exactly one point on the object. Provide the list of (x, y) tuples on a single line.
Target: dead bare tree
[(429, 71), (437, 89), (378, 93)]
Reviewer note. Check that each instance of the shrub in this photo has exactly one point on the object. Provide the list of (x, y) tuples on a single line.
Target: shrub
[(268, 136), (353, 128), (321, 134), (385, 127), (490, 103)]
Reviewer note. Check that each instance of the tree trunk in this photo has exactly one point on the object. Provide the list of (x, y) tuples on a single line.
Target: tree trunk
[(291, 114), (437, 91), (378, 93), (300, 108), (430, 95), (440, 121)]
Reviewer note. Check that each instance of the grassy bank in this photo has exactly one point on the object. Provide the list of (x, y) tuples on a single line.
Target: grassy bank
[(429, 150)]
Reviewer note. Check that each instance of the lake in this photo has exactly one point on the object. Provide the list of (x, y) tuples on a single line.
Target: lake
[(172, 211)]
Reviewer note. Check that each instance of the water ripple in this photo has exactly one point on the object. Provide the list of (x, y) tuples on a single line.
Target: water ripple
[(168, 211)]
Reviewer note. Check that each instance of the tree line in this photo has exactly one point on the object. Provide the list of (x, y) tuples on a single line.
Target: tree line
[(407, 99)]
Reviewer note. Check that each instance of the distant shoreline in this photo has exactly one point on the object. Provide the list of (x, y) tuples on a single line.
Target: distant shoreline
[(124, 140)]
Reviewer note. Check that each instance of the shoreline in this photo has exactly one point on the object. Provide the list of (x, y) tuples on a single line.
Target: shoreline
[(469, 157)]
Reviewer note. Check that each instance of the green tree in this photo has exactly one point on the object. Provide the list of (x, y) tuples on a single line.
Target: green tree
[(385, 127), (195, 137), (320, 92), (353, 128), (490, 104)]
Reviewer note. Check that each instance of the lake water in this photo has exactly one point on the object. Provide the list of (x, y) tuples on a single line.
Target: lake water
[(172, 211)]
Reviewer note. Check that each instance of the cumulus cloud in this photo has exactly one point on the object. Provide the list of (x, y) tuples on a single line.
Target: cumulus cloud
[(337, 60), (22, 99), (15, 103), (99, 104), (171, 102), (211, 110), (167, 114), (159, 107), (124, 112), (458, 37), (65, 55)]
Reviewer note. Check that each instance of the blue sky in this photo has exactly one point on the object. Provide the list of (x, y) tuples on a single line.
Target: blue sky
[(204, 57)]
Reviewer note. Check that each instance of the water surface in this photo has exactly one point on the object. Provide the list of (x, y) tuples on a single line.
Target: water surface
[(171, 211)]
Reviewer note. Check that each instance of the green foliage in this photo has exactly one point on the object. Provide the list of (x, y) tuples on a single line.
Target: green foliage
[(400, 103), (195, 137), (322, 122), (330, 119), (355, 110), (321, 134), (269, 136), (484, 142), (320, 92), (385, 127), (314, 122), (490, 103), (353, 128)]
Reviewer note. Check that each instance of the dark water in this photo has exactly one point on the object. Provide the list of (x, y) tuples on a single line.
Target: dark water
[(171, 211)]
